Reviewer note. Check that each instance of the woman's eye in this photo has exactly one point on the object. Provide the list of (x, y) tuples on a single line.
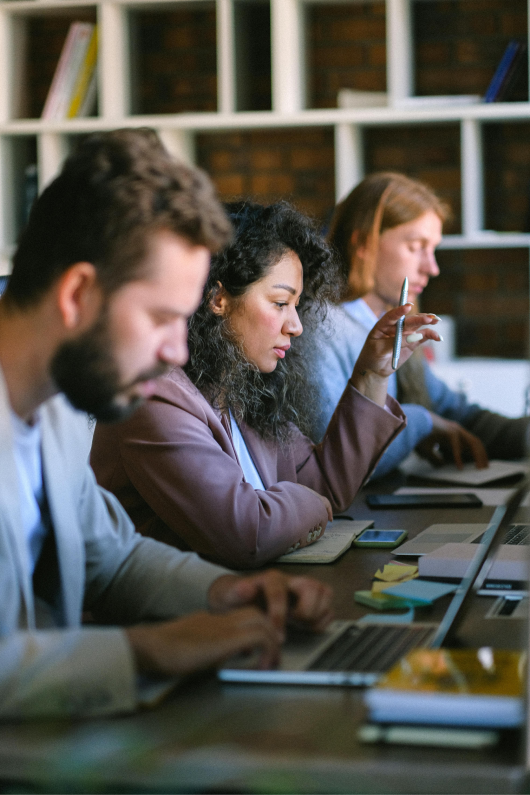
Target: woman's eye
[(280, 303)]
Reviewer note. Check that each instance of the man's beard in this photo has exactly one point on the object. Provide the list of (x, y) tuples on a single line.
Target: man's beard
[(87, 373)]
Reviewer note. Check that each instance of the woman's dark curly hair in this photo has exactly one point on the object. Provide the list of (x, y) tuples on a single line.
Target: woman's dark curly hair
[(267, 402)]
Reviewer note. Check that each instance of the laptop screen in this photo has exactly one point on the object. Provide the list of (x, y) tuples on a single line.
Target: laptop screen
[(479, 566)]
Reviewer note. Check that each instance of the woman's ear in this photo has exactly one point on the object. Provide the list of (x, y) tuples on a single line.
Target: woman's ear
[(360, 249), (219, 300)]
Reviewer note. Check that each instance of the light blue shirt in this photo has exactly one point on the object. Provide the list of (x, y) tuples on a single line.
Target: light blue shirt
[(343, 336), (28, 460), (248, 466)]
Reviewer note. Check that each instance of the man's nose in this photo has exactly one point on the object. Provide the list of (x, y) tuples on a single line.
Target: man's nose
[(174, 349)]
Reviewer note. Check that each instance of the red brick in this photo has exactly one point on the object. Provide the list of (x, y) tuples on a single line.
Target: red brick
[(467, 52), (310, 159), (513, 24), (339, 56), (229, 185), (266, 159), (358, 29), (377, 54), (271, 184)]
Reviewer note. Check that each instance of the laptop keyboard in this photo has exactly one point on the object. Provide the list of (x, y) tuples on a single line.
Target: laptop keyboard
[(371, 648), (518, 534)]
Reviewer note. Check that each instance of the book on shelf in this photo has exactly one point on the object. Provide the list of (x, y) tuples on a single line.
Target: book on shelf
[(72, 91), (453, 687), (509, 65)]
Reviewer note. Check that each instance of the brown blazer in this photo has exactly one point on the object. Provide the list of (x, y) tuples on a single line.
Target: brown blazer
[(174, 468)]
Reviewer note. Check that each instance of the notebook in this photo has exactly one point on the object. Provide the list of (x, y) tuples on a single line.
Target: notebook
[(469, 475), (338, 538), (357, 653)]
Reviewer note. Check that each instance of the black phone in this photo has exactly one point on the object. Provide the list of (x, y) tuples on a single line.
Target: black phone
[(423, 501)]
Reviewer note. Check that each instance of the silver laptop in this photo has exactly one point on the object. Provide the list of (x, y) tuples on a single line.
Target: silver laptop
[(436, 535), (509, 573), (358, 653)]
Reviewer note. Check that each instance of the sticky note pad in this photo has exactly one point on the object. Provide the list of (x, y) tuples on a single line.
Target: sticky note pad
[(421, 590), (381, 601), (392, 572)]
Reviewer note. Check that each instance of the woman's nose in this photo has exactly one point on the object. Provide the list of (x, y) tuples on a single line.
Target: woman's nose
[(293, 325), (429, 264)]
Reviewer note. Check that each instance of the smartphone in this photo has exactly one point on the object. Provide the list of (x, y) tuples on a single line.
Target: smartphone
[(380, 538), (423, 501)]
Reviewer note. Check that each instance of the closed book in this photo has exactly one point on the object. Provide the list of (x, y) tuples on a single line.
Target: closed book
[(68, 71), (83, 94), (452, 687), (503, 72)]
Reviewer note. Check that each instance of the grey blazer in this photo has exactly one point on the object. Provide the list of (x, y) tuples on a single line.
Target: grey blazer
[(49, 663)]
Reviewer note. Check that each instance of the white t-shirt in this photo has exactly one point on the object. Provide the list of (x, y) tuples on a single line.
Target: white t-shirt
[(28, 461), (248, 466)]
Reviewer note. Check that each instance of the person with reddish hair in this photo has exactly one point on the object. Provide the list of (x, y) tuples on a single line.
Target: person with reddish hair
[(387, 228)]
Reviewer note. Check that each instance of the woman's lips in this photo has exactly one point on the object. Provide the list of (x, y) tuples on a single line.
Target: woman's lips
[(280, 352)]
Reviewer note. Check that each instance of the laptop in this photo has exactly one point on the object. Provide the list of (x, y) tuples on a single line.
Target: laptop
[(436, 535), (445, 550), (357, 653)]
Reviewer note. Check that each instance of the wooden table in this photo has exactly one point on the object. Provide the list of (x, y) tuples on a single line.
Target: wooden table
[(213, 737)]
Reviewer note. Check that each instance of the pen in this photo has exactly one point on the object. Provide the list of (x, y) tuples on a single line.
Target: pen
[(399, 328)]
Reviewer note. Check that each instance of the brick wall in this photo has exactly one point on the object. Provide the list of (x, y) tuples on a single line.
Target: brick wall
[(346, 48), (176, 63), (486, 291), (460, 42), (252, 23), (429, 152), (507, 176), (294, 164)]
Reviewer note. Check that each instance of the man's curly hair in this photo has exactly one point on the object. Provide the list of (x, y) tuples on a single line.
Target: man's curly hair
[(267, 402)]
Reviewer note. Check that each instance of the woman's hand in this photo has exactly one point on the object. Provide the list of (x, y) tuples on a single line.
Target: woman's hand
[(374, 365), (449, 441)]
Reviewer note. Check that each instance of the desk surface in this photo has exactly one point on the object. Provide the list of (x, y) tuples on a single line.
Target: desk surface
[(213, 737)]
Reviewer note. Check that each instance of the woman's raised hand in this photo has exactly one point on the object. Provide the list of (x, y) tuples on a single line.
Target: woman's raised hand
[(374, 365)]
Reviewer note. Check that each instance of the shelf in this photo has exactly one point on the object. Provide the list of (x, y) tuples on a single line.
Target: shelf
[(266, 74)]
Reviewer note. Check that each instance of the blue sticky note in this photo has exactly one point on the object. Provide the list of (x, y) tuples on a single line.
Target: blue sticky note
[(422, 590), (385, 618)]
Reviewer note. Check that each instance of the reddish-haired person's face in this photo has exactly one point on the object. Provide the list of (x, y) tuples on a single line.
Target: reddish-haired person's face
[(265, 318), (140, 334), (405, 250)]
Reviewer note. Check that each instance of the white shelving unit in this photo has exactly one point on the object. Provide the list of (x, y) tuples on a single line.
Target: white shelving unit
[(288, 103)]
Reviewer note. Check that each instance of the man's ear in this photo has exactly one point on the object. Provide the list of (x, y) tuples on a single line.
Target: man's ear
[(79, 296), (219, 300)]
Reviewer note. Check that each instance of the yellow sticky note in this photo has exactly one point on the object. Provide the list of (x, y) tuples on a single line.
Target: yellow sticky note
[(392, 572)]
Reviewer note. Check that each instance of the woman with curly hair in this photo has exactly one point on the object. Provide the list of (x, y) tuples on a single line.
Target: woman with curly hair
[(217, 460)]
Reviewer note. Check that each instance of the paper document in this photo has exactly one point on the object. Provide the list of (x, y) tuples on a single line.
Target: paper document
[(337, 539), (469, 475), (491, 497)]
